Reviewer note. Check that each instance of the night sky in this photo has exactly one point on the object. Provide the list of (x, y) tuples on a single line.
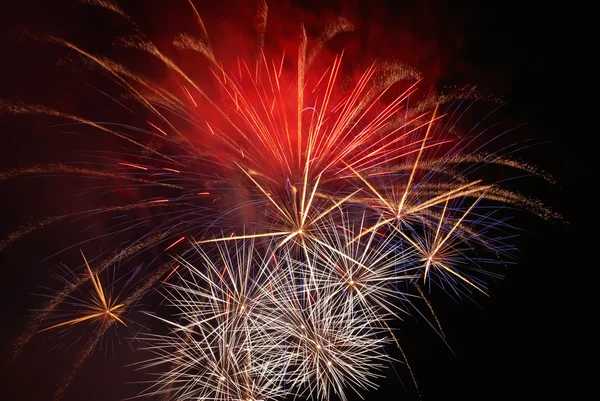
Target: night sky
[(506, 346)]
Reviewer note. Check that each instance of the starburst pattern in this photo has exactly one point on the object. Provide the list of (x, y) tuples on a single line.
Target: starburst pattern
[(301, 210)]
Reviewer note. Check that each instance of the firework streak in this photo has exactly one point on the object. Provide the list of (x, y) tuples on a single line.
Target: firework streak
[(307, 213)]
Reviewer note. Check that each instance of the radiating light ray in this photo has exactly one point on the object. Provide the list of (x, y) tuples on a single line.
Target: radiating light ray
[(338, 199), (231, 355), (99, 307)]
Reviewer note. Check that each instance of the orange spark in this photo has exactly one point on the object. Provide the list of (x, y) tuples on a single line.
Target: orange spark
[(174, 243), (132, 165), (157, 128)]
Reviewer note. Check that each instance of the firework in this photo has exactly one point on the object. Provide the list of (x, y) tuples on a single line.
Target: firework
[(258, 325), (101, 306), (300, 211), (223, 344)]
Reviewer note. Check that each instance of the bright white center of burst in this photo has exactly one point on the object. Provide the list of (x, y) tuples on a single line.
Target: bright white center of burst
[(222, 378), (302, 327), (329, 363), (351, 282), (318, 347)]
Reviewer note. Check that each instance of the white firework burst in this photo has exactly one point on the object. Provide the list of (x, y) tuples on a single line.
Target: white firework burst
[(223, 345)]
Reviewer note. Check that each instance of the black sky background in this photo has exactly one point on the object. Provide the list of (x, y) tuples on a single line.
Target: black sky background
[(508, 346)]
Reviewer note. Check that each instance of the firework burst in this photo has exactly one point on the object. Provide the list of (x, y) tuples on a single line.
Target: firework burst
[(298, 209), (223, 344), (101, 305)]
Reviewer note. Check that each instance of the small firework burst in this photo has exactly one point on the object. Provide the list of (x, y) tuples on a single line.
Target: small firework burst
[(224, 343), (99, 306)]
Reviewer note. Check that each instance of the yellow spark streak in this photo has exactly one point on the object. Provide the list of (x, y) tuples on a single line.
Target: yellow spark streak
[(64, 169), (115, 72), (437, 232), (455, 194), (117, 318), (350, 110), (294, 203), (431, 256), (373, 125), (74, 321), (102, 310), (95, 281), (370, 187), (455, 226), (376, 123), (289, 237), (151, 49), (430, 309), (378, 152), (205, 36), (452, 271), (249, 236), (334, 206), (410, 240), (283, 212), (375, 227), (305, 210), (417, 161), (18, 108), (389, 158)]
